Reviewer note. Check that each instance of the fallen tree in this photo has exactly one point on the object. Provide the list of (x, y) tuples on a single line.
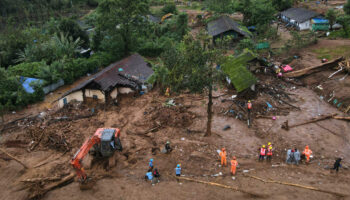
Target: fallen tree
[(64, 181), (296, 185), (286, 126), (221, 185), (313, 69)]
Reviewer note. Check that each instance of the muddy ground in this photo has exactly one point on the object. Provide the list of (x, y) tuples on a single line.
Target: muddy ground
[(184, 125)]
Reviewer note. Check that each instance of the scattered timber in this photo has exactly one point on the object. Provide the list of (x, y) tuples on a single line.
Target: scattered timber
[(14, 158), (313, 69), (286, 126), (297, 185), (221, 185), (64, 181)]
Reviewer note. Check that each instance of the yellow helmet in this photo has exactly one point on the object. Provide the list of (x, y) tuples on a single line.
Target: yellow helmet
[(249, 101), (270, 148), (269, 143), (263, 146)]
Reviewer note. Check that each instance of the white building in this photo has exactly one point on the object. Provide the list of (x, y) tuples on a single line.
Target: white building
[(299, 17), (125, 76)]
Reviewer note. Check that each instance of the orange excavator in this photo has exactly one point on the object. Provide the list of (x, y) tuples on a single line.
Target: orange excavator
[(103, 144)]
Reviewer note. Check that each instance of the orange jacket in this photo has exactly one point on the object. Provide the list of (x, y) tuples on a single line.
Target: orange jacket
[(234, 163), (223, 154), (249, 105), (262, 151), (307, 152), (269, 152)]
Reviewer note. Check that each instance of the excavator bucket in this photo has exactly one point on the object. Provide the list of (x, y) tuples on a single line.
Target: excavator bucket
[(87, 184)]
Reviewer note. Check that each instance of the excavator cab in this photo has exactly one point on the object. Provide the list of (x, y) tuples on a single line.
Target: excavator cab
[(109, 143)]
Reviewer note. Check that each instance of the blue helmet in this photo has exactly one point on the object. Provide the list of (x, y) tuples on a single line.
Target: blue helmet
[(151, 160), (178, 165)]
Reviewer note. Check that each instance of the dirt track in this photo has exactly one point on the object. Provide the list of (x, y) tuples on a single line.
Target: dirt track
[(196, 153)]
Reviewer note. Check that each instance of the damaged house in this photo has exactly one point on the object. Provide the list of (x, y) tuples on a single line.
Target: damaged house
[(299, 17), (125, 76), (224, 26)]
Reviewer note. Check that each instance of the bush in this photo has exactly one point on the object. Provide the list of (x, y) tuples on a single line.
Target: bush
[(26, 69), (246, 44), (169, 8)]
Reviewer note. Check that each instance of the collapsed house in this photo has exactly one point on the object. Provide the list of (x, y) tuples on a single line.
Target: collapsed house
[(300, 18), (123, 77), (224, 26), (237, 73)]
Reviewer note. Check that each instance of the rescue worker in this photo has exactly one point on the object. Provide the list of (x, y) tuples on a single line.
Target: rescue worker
[(296, 156), (178, 170), (223, 157), (149, 175), (307, 152), (150, 164), (167, 92), (337, 165), (168, 149), (262, 153), (269, 154), (249, 107), (234, 164), (156, 175), (269, 145)]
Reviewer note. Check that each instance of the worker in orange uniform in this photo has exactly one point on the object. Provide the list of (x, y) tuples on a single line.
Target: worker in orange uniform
[(234, 164), (307, 152), (223, 157), (249, 106), (269, 154), (262, 153)]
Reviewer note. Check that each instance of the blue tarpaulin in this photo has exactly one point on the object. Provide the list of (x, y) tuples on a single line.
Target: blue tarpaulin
[(319, 21), (26, 83)]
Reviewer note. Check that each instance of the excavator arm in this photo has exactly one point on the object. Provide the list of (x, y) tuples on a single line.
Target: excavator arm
[(81, 153)]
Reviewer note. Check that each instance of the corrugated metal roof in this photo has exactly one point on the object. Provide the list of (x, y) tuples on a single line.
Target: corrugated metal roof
[(223, 24), (299, 14), (135, 71)]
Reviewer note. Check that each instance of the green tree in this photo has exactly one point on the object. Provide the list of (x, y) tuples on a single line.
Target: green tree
[(281, 5), (72, 29), (346, 7), (331, 15), (220, 6), (169, 8), (122, 17), (344, 20), (181, 24), (256, 12), (191, 67)]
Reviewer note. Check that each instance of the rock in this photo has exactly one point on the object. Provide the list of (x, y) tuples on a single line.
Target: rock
[(226, 127), (233, 178), (245, 171)]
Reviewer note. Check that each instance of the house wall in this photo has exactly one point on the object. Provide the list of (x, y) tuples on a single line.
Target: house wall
[(305, 25), (78, 96), (114, 93), (91, 93), (125, 90)]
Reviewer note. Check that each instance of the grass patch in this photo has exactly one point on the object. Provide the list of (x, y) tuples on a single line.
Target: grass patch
[(332, 53)]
